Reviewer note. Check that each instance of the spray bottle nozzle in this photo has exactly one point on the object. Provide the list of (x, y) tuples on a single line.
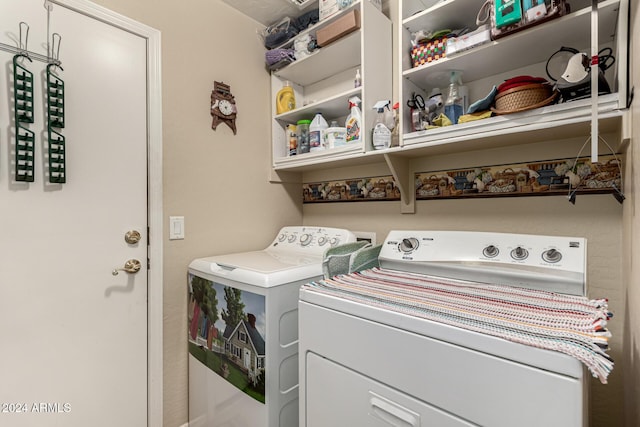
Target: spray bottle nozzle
[(354, 101), (456, 77), (380, 105)]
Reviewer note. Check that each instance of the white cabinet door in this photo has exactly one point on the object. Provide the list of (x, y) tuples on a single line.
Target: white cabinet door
[(74, 349)]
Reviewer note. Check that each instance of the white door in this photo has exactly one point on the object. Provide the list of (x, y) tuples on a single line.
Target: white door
[(247, 358), (74, 336)]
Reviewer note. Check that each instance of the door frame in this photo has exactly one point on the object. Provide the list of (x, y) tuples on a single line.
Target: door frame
[(154, 194)]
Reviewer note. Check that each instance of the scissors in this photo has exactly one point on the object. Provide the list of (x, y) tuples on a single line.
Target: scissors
[(416, 101)]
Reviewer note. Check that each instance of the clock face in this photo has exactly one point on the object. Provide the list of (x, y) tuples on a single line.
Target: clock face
[(225, 107)]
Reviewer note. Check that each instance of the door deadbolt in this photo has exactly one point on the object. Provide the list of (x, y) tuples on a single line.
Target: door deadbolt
[(132, 266), (132, 237)]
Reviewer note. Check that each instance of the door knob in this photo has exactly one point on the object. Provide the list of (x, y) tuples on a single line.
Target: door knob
[(132, 266), (132, 237)]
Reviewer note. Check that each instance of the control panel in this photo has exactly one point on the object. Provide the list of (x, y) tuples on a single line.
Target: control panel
[(310, 239), (501, 258), (558, 252)]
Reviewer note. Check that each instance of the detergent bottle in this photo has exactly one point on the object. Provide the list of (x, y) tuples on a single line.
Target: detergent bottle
[(285, 99), (454, 104), (316, 133), (354, 121)]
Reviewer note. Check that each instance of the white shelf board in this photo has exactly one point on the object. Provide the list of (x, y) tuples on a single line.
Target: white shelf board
[(555, 122), (324, 62), (349, 155), (445, 14), (526, 134), (335, 106), (533, 45), (512, 123)]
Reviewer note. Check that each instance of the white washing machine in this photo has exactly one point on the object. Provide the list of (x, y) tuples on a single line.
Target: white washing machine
[(243, 329), (364, 363)]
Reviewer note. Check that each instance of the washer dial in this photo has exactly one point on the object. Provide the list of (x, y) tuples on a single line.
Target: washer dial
[(292, 238), (305, 239), (552, 256), (519, 253), (491, 251), (408, 245)]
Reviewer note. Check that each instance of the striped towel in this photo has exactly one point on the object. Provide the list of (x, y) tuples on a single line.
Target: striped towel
[(569, 324)]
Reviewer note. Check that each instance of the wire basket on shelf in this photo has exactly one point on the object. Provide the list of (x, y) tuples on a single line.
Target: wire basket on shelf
[(523, 98)]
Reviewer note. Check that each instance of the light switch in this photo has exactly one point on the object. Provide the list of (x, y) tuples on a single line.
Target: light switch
[(176, 227)]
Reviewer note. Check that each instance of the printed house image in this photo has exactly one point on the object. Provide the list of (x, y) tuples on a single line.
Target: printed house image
[(238, 354), (245, 347)]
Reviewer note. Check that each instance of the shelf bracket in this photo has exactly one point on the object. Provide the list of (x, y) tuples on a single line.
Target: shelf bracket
[(284, 177), (404, 178)]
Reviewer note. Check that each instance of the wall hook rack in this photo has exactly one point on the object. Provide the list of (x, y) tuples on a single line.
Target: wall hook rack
[(23, 48)]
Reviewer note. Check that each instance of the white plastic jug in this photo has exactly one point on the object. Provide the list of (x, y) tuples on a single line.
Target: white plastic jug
[(316, 133)]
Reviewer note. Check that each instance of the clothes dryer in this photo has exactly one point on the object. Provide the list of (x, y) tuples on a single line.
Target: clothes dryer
[(454, 329), (243, 329)]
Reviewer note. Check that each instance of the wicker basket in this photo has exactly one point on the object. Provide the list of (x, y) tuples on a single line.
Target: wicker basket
[(430, 186), (523, 98), (429, 51)]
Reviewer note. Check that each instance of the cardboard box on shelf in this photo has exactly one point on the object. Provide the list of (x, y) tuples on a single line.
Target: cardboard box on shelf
[(339, 28)]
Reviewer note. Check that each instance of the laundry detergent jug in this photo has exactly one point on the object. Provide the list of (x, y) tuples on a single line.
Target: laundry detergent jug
[(285, 99)]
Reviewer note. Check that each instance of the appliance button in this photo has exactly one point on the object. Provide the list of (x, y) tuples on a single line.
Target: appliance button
[(409, 245), (491, 251), (322, 241), (292, 238), (305, 239), (552, 256), (519, 253), (282, 237), (334, 241)]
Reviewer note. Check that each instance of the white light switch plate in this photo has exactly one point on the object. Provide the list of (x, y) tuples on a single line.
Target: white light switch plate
[(176, 227)]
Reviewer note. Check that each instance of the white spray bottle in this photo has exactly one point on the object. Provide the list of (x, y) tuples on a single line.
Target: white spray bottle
[(354, 121), (454, 104), (381, 134)]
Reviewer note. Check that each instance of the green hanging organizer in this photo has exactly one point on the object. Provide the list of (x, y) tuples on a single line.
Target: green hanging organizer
[(55, 118), (55, 113), (55, 98), (23, 107)]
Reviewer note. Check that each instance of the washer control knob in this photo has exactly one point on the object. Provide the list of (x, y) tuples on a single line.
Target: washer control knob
[(323, 240), (519, 253), (282, 237), (305, 239), (292, 238), (552, 256), (334, 241), (409, 245), (490, 251)]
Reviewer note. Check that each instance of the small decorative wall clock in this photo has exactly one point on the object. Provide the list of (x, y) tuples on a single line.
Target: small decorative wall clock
[(223, 106)]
